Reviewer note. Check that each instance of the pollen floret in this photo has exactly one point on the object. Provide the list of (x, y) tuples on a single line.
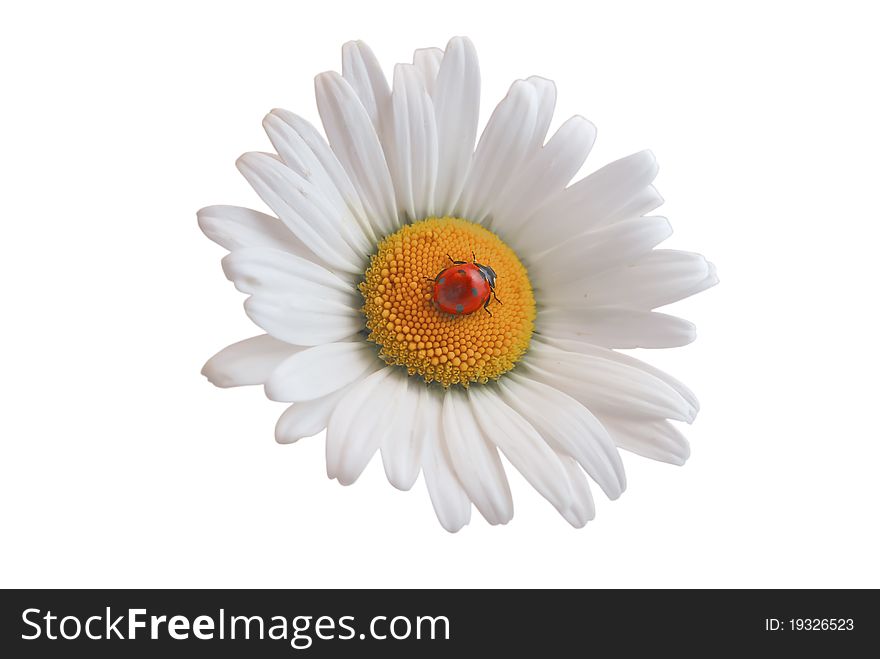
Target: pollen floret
[(411, 332)]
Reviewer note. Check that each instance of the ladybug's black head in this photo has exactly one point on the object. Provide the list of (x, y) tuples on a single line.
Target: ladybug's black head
[(488, 273)]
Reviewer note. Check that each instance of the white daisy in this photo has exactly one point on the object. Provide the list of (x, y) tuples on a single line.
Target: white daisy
[(374, 334)]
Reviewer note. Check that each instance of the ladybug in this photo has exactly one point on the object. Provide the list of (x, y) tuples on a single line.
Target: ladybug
[(464, 287)]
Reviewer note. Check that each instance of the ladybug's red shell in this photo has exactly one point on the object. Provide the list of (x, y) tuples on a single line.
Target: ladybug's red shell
[(461, 289)]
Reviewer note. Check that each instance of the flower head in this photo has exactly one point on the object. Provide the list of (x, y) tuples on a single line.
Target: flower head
[(441, 302)]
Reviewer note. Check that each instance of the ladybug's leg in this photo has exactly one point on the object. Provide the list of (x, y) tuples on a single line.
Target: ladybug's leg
[(486, 305), (454, 261), (494, 296)]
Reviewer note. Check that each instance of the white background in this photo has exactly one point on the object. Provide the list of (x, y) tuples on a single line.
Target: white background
[(121, 466)]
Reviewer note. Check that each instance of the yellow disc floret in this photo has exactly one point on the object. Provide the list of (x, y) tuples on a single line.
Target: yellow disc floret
[(411, 332)]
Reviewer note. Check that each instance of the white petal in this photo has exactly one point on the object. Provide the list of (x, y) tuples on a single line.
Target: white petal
[(661, 277), (413, 153), (262, 270), (603, 385), (641, 203), (546, 95), (613, 327), (544, 174), (355, 143), (476, 462), (605, 353), (589, 203), (320, 371), (302, 207), (502, 147), (569, 428), (361, 69), (308, 417), (304, 319), (299, 156), (522, 446), (450, 501), (583, 509), (401, 446), (427, 62), (328, 168), (247, 362), (457, 110), (591, 253), (519, 180), (652, 438), (359, 422), (233, 227)]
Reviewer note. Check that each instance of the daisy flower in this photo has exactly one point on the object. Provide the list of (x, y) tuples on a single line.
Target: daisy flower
[(444, 300)]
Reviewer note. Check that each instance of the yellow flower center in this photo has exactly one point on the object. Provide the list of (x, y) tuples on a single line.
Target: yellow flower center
[(412, 332)]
